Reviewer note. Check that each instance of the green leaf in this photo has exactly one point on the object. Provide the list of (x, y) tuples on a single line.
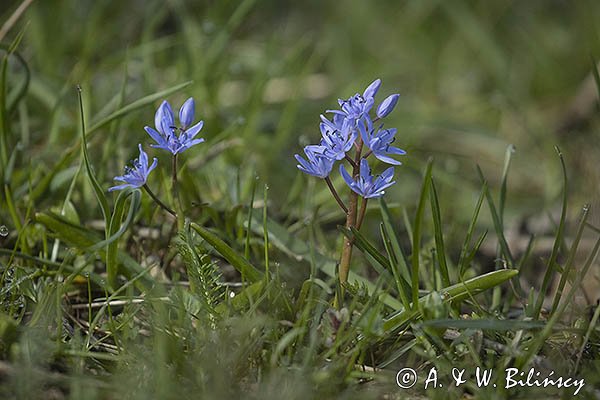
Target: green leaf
[(248, 271), (456, 292), (498, 325), (117, 215), (114, 234), (82, 239), (244, 298), (363, 244)]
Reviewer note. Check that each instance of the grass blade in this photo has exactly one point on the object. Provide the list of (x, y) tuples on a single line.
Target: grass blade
[(505, 251), (248, 271), (249, 227), (564, 275), (393, 238), (144, 101), (376, 259), (402, 285), (19, 93), (88, 167), (416, 237), (551, 266), (510, 150), (438, 234), (365, 246), (463, 262)]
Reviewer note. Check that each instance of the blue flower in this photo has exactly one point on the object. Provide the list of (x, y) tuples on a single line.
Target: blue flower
[(135, 177), (337, 142), (365, 185), (318, 164), (165, 134), (339, 123), (380, 143), (357, 106)]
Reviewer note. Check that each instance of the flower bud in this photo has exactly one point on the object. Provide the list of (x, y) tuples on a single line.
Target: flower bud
[(387, 105), (186, 113), (372, 89)]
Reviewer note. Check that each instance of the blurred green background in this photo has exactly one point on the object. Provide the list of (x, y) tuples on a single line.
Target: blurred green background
[(473, 76)]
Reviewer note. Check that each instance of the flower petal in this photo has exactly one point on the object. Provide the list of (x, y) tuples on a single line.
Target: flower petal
[(372, 89), (193, 131), (152, 167), (143, 157), (186, 113), (164, 111), (386, 159), (379, 190), (158, 138), (363, 134), (347, 178), (327, 122), (388, 174), (365, 170), (190, 143), (396, 150), (164, 146), (303, 163), (369, 102)]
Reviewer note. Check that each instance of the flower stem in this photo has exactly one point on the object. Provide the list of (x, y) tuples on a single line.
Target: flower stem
[(336, 195), (176, 199), (344, 267), (362, 212), (351, 161), (157, 200)]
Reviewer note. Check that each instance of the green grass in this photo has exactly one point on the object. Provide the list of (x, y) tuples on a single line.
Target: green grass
[(477, 257)]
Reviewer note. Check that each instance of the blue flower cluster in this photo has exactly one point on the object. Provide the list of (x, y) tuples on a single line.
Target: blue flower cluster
[(352, 126), (168, 136)]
